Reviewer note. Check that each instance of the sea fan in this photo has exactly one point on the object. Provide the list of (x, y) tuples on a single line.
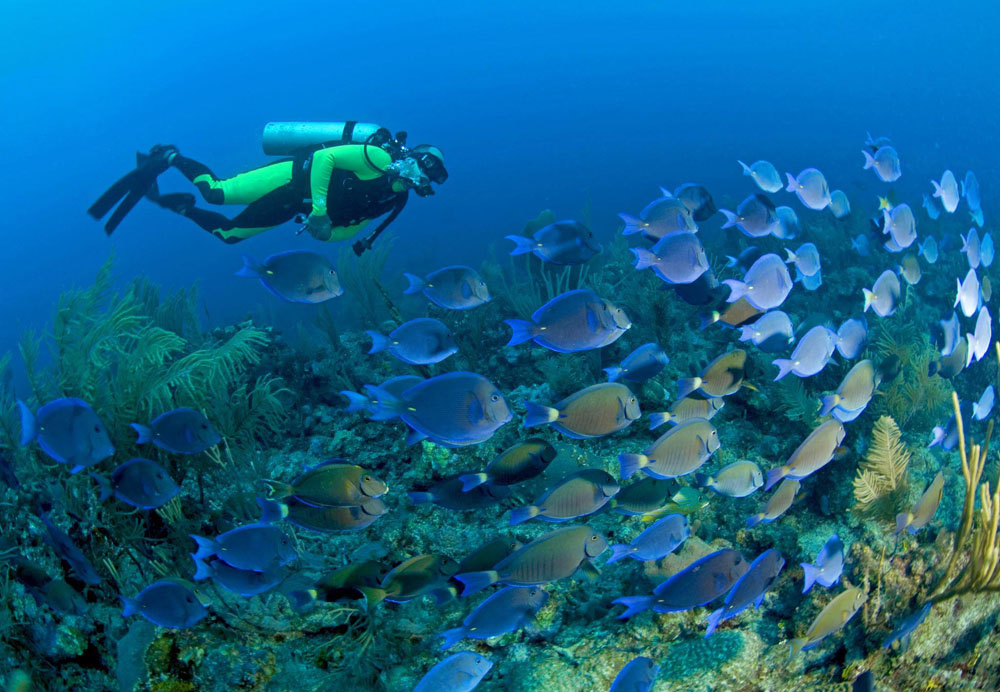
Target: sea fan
[(881, 483)]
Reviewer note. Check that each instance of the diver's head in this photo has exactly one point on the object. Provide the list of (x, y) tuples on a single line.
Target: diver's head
[(419, 167)]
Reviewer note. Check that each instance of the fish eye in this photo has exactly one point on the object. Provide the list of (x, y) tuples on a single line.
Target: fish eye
[(594, 537), (366, 478), (495, 397)]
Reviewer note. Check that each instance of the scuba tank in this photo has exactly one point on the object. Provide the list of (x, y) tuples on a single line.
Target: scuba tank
[(290, 138)]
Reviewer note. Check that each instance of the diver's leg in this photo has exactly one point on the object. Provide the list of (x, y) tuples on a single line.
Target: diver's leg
[(271, 210), (244, 188)]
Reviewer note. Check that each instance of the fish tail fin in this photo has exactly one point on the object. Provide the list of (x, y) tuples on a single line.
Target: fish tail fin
[(372, 595), (746, 332), (754, 520), (302, 600), (614, 373), (829, 403), (686, 385), (201, 569), (737, 289), (709, 318), (731, 218), (417, 284), (630, 463), (474, 582), (619, 552), (713, 621), (277, 490), (451, 637), (355, 401), (731, 261), (380, 341), (251, 268), (143, 432), (659, 418), (420, 498), (869, 160), (539, 414), (388, 407), (522, 245), (104, 485), (811, 573), (702, 480), (776, 474), (792, 183), (746, 168), (519, 515), (28, 424), (472, 480), (938, 190), (633, 224), (206, 547), (130, 606), (939, 435), (791, 257), (869, 298), (903, 520), (522, 330), (272, 511), (644, 258), (785, 366), (633, 605), (796, 645)]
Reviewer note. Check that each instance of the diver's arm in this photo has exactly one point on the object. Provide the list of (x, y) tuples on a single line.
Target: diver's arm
[(348, 157)]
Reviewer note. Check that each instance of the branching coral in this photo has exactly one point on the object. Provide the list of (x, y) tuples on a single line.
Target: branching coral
[(974, 564), (881, 483)]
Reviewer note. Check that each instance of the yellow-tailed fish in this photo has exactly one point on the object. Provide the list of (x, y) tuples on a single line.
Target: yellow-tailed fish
[(779, 503), (832, 618), (685, 501), (924, 510), (685, 409), (855, 390), (677, 452), (594, 411), (814, 453), (722, 377)]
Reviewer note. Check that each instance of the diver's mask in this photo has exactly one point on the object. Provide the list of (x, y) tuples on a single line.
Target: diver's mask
[(408, 171)]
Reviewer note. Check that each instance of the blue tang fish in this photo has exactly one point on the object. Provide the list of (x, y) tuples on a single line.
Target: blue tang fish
[(166, 603), (256, 547), (242, 582), (182, 431), (829, 565), (67, 430), (456, 408), (638, 675), (563, 243), (764, 174), (510, 608), (577, 320), (750, 588), (644, 363), (296, 276), (460, 672), (421, 341), (905, 629), (658, 541), (139, 482), (454, 288), (68, 552)]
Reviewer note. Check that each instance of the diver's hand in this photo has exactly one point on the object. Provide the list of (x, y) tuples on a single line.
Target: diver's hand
[(319, 226)]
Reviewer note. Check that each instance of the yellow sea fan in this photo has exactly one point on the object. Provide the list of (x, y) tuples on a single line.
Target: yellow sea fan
[(882, 481)]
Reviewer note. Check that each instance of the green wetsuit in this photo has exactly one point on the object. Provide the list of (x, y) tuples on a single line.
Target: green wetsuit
[(347, 182)]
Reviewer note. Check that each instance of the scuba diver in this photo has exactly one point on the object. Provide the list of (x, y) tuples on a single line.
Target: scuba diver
[(335, 179)]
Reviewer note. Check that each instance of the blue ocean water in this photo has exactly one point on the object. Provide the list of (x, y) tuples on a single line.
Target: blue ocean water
[(535, 106), (561, 106)]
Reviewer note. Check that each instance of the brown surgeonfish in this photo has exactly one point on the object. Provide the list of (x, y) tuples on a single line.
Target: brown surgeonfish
[(329, 519), (777, 505), (677, 452), (331, 483), (685, 409), (814, 453), (554, 555), (833, 617), (924, 510), (347, 583), (577, 495), (722, 377), (646, 495), (520, 463), (418, 576), (594, 411)]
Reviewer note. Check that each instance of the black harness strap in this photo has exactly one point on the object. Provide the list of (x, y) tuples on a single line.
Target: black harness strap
[(366, 243)]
